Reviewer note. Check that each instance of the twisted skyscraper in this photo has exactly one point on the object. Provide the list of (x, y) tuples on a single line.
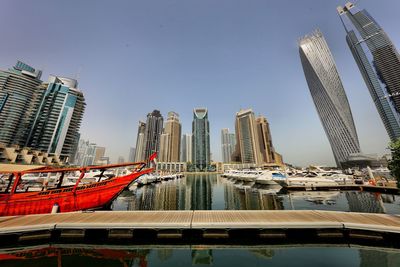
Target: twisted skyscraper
[(378, 61), (329, 96)]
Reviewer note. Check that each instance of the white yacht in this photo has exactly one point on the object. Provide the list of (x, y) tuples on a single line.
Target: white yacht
[(307, 181), (270, 177)]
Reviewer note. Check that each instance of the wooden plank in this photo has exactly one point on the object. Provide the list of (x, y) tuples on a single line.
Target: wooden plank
[(299, 219), (261, 219)]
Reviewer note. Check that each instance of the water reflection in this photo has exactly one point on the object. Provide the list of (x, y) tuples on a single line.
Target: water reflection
[(93, 255), (212, 192)]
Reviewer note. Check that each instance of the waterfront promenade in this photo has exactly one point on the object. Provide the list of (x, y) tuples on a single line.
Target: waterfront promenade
[(201, 226)]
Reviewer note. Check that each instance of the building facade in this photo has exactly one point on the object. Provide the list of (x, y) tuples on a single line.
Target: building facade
[(186, 148), (140, 144), (170, 140), (86, 153), (99, 154), (247, 141), (152, 133), (200, 140), (20, 96), (329, 96), (378, 61), (57, 121), (228, 142), (132, 152), (265, 140)]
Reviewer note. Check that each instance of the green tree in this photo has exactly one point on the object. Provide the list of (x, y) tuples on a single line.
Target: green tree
[(394, 163)]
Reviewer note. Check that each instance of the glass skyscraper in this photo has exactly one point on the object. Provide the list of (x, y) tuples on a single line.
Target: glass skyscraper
[(56, 125), (200, 139), (140, 145), (378, 61), (186, 148), (228, 143), (329, 96), (152, 133), (20, 96)]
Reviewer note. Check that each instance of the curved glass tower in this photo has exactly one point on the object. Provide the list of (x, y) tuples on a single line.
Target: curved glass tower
[(200, 140), (378, 61), (329, 96)]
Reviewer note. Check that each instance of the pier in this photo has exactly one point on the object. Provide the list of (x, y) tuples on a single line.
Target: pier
[(203, 227)]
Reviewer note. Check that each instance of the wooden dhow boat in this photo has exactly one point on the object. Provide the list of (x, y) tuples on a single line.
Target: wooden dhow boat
[(20, 198)]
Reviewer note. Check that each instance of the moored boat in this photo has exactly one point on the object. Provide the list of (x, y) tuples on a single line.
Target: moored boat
[(17, 199)]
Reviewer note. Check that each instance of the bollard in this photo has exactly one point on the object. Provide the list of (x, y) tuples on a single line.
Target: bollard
[(55, 208)]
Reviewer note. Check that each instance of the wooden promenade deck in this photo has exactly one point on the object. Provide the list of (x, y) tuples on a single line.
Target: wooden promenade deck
[(201, 226)]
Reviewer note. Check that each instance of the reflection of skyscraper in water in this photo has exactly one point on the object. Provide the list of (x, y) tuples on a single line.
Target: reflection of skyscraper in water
[(202, 256), (181, 195), (165, 197), (146, 198), (201, 191), (365, 202), (269, 201), (231, 200)]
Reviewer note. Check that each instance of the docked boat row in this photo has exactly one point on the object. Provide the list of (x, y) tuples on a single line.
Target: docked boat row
[(156, 178), (305, 179)]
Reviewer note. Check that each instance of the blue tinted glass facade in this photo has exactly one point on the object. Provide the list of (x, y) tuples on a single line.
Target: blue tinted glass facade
[(379, 64)]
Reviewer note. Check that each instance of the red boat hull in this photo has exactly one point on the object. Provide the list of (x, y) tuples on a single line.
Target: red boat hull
[(85, 197)]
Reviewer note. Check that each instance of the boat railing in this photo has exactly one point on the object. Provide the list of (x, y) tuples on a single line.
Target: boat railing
[(14, 182)]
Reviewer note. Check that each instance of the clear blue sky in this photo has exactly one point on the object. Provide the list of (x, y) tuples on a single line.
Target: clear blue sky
[(136, 56)]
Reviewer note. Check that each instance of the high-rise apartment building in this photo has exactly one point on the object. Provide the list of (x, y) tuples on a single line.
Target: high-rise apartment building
[(99, 154), (57, 121), (247, 141), (165, 140), (170, 140), (86, 153), (186, 148), (132, 152), (140, 143), (19, 97), (378, 61), (200, 139), (152, 133), (265, 140), (329, 96), (227, 145)]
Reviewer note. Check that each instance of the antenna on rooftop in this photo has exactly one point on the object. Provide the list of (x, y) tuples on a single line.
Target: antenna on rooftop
[(78, 73)]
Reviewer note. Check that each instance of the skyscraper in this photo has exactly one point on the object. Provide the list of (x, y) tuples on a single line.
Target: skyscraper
[(227, 145), (200, 139), (170, 140), (152, 133), (329, 96), (247, 141), (378, 61), (186, 148), (20, 96), (265, 140), (99, 154), (140, 144), (57, 121), (132, 152)]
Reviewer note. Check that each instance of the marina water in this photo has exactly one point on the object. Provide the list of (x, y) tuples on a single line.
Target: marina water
[(212, 192)]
